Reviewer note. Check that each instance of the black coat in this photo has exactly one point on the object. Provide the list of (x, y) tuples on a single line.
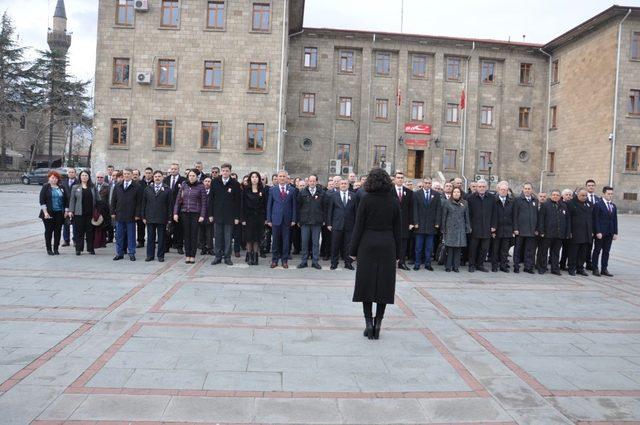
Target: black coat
[(427, 217), (581, 221), (406, 209), (554, 221), (68, 185), (156, 208), (311, 208), (483, 215), (125, 204), (525, 216), (46, 198), (341, 217), (225, 201), (176, 187), (376, 243), (504, 215)]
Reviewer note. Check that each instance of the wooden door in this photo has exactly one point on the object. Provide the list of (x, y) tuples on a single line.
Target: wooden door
[(411, 164)]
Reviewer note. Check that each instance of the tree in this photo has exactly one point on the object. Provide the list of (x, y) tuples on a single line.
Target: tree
[(16, 82)]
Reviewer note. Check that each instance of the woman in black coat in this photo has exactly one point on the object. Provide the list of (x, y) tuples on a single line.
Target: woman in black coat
[(376, 243), (254, 213), (54, 201)]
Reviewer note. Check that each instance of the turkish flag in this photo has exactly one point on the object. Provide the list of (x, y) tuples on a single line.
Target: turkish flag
[(462, 100)]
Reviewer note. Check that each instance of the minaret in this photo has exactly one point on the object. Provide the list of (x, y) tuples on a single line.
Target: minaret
[(57, 38)]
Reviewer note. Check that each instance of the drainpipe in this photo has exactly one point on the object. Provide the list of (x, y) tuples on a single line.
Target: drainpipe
[(463, 141), (282, 72), (615, 102), (545, 154)]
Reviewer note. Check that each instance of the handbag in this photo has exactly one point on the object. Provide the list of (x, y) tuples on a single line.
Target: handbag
[(441, 255)]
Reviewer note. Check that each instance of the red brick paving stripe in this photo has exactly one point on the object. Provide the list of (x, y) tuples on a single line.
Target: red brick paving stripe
[(437, 304), (556, 330), (608, 423), (90, 422), (595, 393), (42, 359)]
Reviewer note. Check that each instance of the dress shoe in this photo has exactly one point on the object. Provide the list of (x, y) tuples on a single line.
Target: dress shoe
[(160, 259), (472, 269), (350, 267), (541, 271), (228, 262), (65, 243), (78, 252), (140, 245), (377, 324), (273, 265), (302, 265), (429, 268), (92, 252), (483, 269), (55, 251), (416, 267), (333, 267), (596, 272), (50, 252), (530, 271), (216, 261), (516, 270), (118, 257), (132, 258), (263, 255), (583, 273), (556, 272), (589, 267), (148, 259), (403, 267), (504, 269), (180, 251), (456, 270), (494, 269), (572, 273), (203, 252), (285, 265), (316, 266), (255, 259), (236, 254), (605, 272), (448, 270), (368, 330)]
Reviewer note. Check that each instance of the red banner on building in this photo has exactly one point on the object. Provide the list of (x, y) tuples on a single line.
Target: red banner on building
[(416, 143), (413, 128)]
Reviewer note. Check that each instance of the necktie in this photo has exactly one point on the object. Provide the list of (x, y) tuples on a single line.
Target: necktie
[(344, 198), (283, 194), (426, 197), (126, 185), (609, 207), (400, 194), (173, 181), (157, 189)]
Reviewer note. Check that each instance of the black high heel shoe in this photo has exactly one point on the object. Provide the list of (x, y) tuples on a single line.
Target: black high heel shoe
[(368, 330), (376, 329)]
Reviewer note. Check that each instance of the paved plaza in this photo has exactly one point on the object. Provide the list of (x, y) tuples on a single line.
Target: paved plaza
[(85, 340)]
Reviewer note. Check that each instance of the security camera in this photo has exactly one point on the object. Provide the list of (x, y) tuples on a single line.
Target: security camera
[(610, 137), (285, 131)]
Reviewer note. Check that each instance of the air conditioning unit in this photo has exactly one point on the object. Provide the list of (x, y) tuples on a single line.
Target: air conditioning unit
[(143, 77), (478, 177), (346, 170), (334, 166), (141, 5), (386, 166)]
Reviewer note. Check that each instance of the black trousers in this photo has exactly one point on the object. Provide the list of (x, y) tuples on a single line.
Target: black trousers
[(565, 254), (53, 228), (404, 245), (205, 235), (549, 249), (238, 242), (265, 243), (190, 226), (156, 230), (140, 231), (325, 246), (538, 250), (578, 256), (528, 244), (177, 236), (453, 257), (602, 245), (84, 230), (500, 252), (340, 241), (296, 239), (367, 308), (222, 234), (589, 254), (110, 232), (411, 246), (478, 249)]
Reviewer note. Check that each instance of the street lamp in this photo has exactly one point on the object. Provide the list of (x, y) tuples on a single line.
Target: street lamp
[(490, 164)]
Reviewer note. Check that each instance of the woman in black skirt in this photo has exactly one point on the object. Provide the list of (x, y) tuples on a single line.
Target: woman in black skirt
[(54, 201), (376, 245), (254, 202)]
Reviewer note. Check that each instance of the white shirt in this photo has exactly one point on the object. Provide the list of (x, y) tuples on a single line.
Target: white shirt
[(224, 181), (126, 184), (312, 191), (344, 197), (173, 181)]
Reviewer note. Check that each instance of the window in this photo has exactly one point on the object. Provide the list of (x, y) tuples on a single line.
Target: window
[(553, 117), (213, 75), (344, 154), (215, 15), (484, 157), (258, 76), (383, 64), (418, 66), (417, 111), (170, 13), (124, 13), (627, 196), (523, 117), (346, 61), (167, 73), (382, 109), (488, 72), (345, 107), (310, 60), (308, 103), (255, 137), (210, 135), (525, 73), (452, 113), (551, 162), (261, 17), (635, 45), (486, 116), (118, 132), (450, 159), (23, 122), (453, 69), (631, 163), (555, 71), (379, 154), (164, 133), (120, 72), (634, 102)]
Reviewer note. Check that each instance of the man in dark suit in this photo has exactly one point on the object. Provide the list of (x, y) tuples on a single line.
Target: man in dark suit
[(281, 216), (581, 212), (341, 216), (173, 181), (483, 216), (525, 221), (67, 184), (311, 219), (504, 229), (224, 212), (427, 214), (325, 246), (554, 224), (405, 198), (143, 182), (605, 227), (156, 213), (125, 209), (592, 199)]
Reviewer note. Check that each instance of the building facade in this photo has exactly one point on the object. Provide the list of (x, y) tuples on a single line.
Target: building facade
[(243, 81)]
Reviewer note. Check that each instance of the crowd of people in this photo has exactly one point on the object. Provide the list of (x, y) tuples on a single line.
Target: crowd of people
[(221, 215)]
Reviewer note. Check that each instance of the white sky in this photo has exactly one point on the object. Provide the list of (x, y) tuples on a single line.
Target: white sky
[(540, 20)]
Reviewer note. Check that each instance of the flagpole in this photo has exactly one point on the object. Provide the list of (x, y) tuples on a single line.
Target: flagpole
[(401, 16)]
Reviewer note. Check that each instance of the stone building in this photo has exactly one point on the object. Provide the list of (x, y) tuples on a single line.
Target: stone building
[(243, 81)]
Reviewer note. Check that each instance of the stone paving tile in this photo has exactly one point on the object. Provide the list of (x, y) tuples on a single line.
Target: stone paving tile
[(121, 408), (464, 410), (297, 411), (622, 409), (390, 411), (213, 410)]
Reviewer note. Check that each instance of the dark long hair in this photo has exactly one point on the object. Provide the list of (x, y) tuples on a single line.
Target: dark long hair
[(378, 181), (250, 185), (89, 182)]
